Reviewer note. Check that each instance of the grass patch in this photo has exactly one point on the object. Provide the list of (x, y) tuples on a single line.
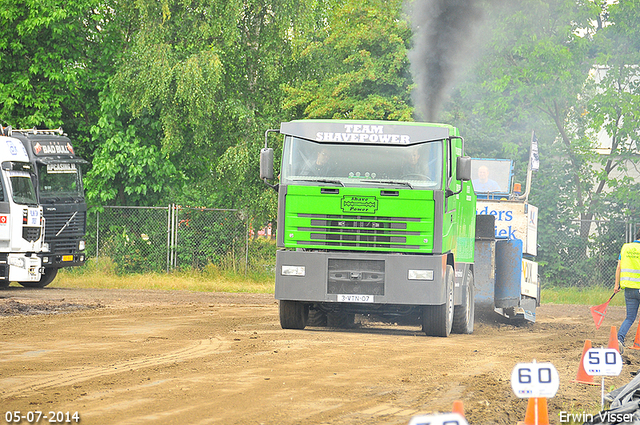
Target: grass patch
[(594, 295), (102, 273)]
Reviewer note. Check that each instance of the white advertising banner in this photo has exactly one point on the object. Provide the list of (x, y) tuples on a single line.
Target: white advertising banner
[(514, 220)]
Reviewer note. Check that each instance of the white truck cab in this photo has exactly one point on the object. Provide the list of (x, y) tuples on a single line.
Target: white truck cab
[(21, 219)]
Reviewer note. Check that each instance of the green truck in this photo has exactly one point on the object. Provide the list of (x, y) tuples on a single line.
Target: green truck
[(375, 218)]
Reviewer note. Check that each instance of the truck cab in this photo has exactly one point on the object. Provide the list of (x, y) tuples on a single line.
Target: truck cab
[(57, 177), (374, 217), (21, 223)]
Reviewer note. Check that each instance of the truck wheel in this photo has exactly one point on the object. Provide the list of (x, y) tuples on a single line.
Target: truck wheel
[(293, 314), (317, 318), (463, 315), (47, 278), (438, 319), (340, 320)]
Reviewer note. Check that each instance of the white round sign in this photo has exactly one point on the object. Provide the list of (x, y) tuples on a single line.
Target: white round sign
[(602, 362), (535, 380), (444, 419)]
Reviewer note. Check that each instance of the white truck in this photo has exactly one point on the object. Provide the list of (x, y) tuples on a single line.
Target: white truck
[(21, 219)]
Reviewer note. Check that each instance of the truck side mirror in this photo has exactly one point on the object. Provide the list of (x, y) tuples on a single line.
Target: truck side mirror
[(463, 168), (266, 164)]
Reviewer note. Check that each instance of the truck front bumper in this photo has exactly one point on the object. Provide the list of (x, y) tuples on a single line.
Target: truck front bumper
[(24, 268), (53, 260), (354, 277)]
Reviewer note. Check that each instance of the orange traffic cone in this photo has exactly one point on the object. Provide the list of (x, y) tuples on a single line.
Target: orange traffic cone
[(541, 408), (458, 408), (613, 339), (636, 342), (582, 377)]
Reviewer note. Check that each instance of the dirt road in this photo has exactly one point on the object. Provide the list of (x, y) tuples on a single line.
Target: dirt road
[(143, 357)]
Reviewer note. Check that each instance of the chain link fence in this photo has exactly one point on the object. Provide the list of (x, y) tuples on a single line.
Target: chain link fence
[(568, 260), (161, 239)]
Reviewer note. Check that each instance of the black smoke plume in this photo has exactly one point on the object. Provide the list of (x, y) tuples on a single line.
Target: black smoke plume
[(443, 33)]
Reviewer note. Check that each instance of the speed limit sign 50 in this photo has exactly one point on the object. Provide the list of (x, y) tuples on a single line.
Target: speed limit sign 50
[(535, 380), (602, 362)]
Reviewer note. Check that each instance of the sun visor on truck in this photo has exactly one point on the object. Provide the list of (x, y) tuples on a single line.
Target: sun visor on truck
[(366, 132), (55, 160)]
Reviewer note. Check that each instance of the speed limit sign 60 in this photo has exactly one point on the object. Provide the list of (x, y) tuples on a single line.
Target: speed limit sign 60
[(535, 380)]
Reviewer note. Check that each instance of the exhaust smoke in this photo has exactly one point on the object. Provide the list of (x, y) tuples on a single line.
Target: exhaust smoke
[(442, 33)]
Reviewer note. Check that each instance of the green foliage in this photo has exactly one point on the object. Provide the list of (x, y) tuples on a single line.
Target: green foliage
[(358, 70), (55, 58), (128, 169)]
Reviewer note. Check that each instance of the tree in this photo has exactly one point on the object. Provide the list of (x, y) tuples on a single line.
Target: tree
[(55, 59), (127, 170), (357, 67), (614, 110), (209, 73), (538, 73), (532, 75)]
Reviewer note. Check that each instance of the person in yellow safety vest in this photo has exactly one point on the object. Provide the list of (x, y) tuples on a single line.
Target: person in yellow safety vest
[(628, 277)]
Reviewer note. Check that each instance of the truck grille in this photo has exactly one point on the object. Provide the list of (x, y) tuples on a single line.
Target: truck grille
[(358, 231), (365, 277), (56, 220), (31, 234), (67, 241)]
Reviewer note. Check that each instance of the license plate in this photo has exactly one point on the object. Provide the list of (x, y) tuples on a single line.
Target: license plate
[(343, 298), (67, 258)]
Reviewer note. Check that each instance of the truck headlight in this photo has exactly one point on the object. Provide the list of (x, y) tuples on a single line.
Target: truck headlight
[(420, 274), (81, 246), (16, 261), (293, 271)]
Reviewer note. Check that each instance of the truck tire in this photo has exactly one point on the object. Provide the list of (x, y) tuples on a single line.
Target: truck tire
[(47, 277), (438, 319), (317, 318), (463, 315), (293, 314), (340, 320)]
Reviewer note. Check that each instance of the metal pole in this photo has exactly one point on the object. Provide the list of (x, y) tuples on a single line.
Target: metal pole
[(246, 250), (172, 233), (97, 233), (525, 196), (168, 236), (175, 236)]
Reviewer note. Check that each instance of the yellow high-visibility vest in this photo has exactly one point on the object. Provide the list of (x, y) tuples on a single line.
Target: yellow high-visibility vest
[(630, 265)]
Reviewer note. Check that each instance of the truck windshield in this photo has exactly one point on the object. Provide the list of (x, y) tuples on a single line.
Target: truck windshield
[(417, 166), (22, 188), (60, 180)]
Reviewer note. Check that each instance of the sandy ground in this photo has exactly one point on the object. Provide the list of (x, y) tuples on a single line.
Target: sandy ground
[(142, 357)]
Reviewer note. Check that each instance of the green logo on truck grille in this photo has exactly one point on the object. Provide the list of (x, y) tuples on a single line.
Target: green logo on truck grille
[(359, 204)]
